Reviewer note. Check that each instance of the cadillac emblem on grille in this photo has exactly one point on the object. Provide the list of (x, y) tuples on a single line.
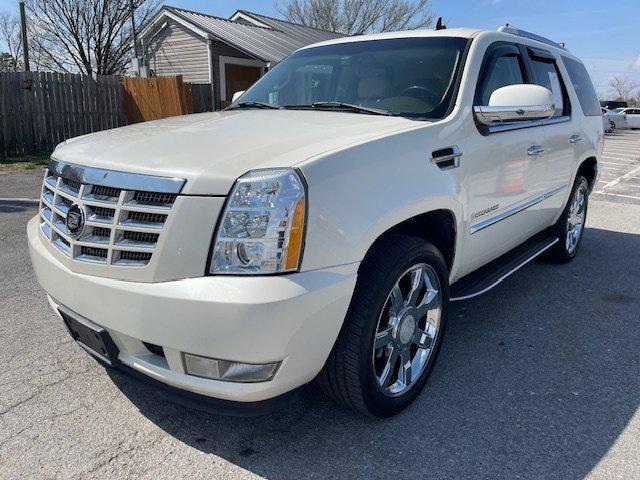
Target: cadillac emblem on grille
[(75, 221)]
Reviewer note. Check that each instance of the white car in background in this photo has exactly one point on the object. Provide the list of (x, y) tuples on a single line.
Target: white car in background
[(624, 117), (607, 123), (631, 117)]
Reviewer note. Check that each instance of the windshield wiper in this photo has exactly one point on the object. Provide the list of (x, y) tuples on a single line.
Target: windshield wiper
[(255, 105), (350, 107)]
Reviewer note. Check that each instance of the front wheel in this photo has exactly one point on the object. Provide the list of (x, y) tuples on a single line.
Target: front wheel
[(612, 126), (570, 225), (393, 330)]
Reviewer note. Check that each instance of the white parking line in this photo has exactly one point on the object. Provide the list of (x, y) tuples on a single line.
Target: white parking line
[(620, 156), (618, 195), (620, 178), (618, 163), (620, 151), (617, 154), (624, 161), (616, 149), (625, 156)]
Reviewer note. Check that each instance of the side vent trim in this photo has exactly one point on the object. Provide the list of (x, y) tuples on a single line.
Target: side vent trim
[(447, 158)]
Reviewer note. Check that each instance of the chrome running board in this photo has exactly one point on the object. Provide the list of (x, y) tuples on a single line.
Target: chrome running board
[(494, 273)]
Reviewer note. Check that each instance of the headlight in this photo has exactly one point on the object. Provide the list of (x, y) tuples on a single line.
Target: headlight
[(261, 229)]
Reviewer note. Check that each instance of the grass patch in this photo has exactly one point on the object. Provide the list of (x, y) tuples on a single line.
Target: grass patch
[(28, 161)]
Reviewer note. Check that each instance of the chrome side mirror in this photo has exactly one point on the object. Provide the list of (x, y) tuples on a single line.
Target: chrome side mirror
[(516, 103), (237, 95)]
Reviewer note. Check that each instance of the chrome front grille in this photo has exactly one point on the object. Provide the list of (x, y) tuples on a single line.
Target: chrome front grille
[(122, 225)]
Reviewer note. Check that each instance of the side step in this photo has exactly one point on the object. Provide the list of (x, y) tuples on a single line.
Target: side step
[(492, 274)]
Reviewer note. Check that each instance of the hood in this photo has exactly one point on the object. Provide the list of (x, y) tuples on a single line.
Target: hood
[(211, 150)]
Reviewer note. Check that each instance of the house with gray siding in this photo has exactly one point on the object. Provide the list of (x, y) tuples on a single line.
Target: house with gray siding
[(229, 54)]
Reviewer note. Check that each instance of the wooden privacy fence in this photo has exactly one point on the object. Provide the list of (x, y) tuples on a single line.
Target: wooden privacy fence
[(152, 98), (160, 97), (202, 97), (38, 110)]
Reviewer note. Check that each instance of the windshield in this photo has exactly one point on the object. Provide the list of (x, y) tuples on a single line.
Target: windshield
[(406, 76), (617, 110)]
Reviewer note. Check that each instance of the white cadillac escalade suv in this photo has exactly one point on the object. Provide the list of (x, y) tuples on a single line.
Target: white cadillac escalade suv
[(320, 226)]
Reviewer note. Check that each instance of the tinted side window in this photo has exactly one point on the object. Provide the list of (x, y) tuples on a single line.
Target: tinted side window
[(546, 74), (583, 87), (502, 71)]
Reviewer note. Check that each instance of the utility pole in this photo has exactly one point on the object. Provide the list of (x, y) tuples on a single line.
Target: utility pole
[(25, 43), (133, 28), (138, 62)]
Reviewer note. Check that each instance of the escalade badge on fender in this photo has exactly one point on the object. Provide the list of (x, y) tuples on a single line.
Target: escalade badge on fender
[(493, 208), (75, 221)]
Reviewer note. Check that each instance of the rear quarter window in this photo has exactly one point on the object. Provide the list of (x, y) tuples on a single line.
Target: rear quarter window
[(584, 88)]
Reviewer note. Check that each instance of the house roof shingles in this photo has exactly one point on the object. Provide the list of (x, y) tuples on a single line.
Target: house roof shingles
[(267, 44)]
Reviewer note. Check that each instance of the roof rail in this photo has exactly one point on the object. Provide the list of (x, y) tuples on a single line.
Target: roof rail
[(523, 33)]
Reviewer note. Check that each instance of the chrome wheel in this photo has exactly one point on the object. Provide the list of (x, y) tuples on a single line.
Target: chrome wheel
[(576, 218), (407, 330)]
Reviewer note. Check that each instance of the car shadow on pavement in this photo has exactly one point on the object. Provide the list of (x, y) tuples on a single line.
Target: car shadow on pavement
[(15, 206), (537, 379)]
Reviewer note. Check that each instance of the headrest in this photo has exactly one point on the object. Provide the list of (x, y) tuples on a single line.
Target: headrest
[(374, 87)]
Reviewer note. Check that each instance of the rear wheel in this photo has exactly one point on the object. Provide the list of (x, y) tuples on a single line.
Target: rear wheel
[(570, 225), (612, 126), (392, 333)]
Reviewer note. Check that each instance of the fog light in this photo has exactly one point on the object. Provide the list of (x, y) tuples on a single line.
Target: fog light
[(228, 371)]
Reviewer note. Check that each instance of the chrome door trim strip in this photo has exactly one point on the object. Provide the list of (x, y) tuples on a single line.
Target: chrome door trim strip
[(114, 178), (551, 193), (515, 209), (508, 274), (507, 127)]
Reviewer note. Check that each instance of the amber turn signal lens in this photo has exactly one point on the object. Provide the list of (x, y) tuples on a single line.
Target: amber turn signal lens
[(295, 237)]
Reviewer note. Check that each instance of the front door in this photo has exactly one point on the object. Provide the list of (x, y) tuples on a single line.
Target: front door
[(506, 171)]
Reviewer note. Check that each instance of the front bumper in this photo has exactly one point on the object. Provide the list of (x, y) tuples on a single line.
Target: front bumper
[(293, 319)]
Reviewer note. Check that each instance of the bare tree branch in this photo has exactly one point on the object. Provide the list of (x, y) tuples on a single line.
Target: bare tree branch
[(93, 37), (357, 17), (623, 87), (10, 35)]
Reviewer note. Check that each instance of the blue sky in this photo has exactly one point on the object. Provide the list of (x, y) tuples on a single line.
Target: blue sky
[(604, 33)]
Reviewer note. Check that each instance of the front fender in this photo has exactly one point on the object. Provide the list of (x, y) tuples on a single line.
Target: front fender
[(358, 193)]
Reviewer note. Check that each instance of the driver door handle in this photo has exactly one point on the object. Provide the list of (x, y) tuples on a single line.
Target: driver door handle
[(575, 138), (535, 150)]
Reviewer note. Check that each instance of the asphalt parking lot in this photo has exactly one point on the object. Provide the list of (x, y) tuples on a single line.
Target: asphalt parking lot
[(538, 379)]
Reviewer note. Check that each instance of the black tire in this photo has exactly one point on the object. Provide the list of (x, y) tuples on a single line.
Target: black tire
[(560, 252), (348, 376), (613, 126)]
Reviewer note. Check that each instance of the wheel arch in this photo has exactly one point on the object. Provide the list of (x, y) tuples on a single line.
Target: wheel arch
[(589, 168), (438, 227)]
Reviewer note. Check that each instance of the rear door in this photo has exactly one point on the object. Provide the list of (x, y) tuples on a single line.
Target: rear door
[(563, 138)]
